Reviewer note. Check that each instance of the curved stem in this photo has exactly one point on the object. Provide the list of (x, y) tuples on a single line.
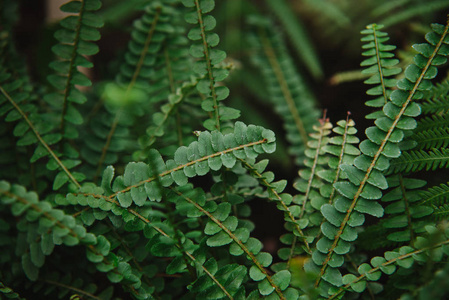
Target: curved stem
[(40, 139)]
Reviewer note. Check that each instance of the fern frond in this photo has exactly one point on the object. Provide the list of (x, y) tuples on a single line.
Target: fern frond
[(222, 230), (386, 7), (437, 100), (298, 35), (165, 241), (405, 209), (343, 151), (433, 241), (142, 74), (209, 59), (417, 160), (286, 88), (14, 80), (366, 180), (141, 181), (309, 183), (431, 122), (435, 137), (156, 54), (341, 154), (54, 227), (36, 127), (441, 212), (44, 149), (211, 151), (75, 42), (381, 65), (436, 195)]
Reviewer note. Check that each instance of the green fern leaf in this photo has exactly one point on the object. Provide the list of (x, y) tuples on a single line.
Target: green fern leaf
[(380, 65), (405, 209), (427, 245), (75, 39), (436, 195), (285, 86), (416, 160), (209, 59), (298, 36), (436, 100), (381, 142), (63, 230)]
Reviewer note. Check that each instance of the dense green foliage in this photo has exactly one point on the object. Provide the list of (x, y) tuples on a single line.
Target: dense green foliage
[(142, 185)]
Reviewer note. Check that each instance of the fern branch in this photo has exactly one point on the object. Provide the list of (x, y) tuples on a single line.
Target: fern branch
[(376, 147), (284, 86), (406, 211), (436, 137), (40, 139), (347, 139), (298, 36), (81, 199), (379, 65), (191, 163), (381, 62), (341, 148), (436, 195), (250, 255), (189, 255), (440, 212), (209, 64), (72, 67), (145, 48), (414, 161), (432, 121), (385, 265), (156, 13), (68, 231), (75, 39), (414, 10), (323, 130)]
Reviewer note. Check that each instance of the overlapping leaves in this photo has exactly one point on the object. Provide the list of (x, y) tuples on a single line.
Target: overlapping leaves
[(212, 151), (144, 73), (47, 227), (429, 247), (365, 178)]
